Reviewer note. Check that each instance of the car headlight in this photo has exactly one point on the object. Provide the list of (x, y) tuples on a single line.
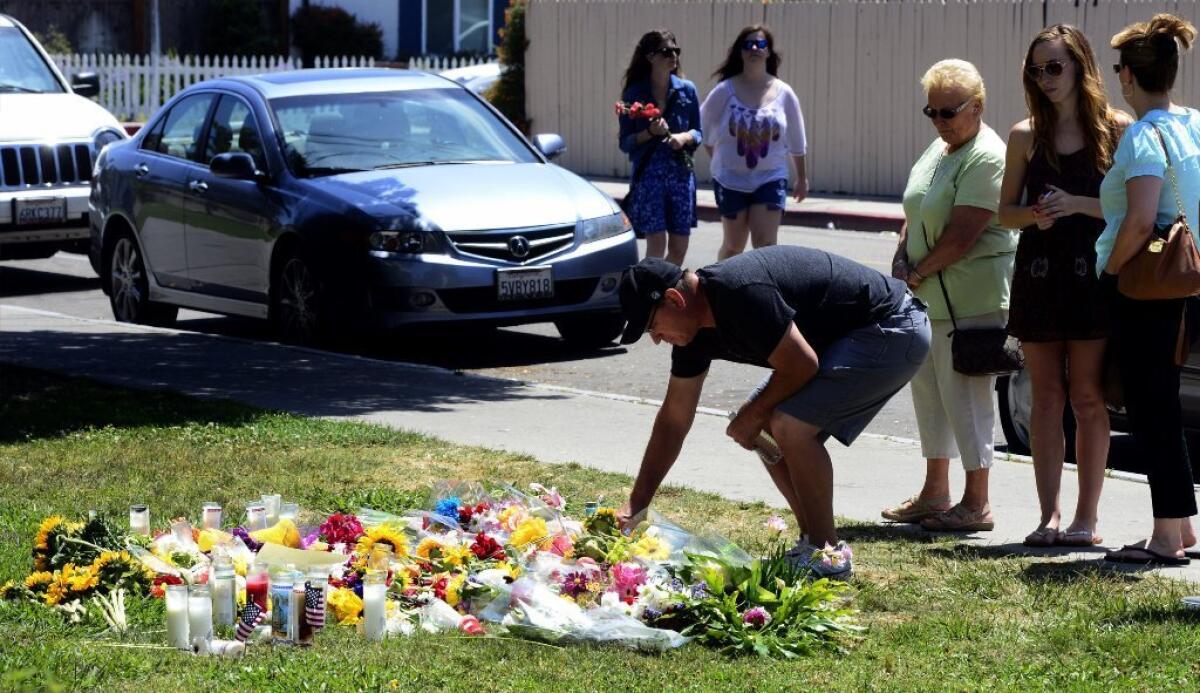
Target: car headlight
[(402, 241), (106, 136), (603, 227)]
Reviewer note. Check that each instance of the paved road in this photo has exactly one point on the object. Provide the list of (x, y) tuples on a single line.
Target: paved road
[(66, 284)]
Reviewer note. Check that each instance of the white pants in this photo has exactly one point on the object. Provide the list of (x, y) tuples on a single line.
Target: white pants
[(955, 411)]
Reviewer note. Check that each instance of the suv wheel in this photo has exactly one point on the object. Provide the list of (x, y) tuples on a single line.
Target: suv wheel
[(129, 289), (590, 331)]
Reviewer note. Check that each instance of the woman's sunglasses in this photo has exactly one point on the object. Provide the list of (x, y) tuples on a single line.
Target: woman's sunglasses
[(1053, 68), (1117, 68), (751, 44), (668, 51), (944, 113)]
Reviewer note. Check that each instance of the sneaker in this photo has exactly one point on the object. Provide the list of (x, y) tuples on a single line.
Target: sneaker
[(833, 562)]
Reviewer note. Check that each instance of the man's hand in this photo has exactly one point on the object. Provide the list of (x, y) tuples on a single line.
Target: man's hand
[(746, 426), (625, 516)]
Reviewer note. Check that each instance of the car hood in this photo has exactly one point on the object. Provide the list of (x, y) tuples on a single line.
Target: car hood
[(467, 197), (44, 117)]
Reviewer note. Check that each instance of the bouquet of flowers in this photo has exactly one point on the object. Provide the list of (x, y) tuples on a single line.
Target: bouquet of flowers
[(637, 110)]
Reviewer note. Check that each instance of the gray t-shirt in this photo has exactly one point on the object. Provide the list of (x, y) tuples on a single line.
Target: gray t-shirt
[(755, 295)]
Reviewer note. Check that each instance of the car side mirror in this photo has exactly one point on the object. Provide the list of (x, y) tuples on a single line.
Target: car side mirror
[(551, 146), (236, 165), (86, 84)]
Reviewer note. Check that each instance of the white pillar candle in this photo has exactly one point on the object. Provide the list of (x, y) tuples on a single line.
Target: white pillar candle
[(177, 617), (199, 613), (374, 610), (224, 599)]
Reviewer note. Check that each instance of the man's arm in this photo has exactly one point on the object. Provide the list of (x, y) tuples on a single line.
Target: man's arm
[(795, 363), (671, 426)]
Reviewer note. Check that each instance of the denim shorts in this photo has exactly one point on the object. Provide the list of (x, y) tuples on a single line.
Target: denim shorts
[(733, 202), (860, 372)]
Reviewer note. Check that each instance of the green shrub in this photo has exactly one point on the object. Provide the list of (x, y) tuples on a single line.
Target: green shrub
[(237, 27), (325, 31), (508, 94), (54, 41)]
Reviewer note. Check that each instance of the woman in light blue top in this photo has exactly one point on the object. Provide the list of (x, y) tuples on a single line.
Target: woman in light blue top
[(1135, 199)]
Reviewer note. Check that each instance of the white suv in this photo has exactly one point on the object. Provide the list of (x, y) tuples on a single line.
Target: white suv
[(49, 136)]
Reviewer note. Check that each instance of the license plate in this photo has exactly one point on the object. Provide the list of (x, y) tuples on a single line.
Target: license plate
[(524, 284), (43, 210)]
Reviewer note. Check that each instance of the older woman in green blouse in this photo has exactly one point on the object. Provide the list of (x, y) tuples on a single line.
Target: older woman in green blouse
[(952, 236)]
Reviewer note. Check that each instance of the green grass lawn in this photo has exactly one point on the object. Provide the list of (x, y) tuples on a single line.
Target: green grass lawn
[(940, 616)]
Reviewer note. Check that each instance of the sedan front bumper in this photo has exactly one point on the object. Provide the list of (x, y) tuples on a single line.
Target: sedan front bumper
[(442, 288)]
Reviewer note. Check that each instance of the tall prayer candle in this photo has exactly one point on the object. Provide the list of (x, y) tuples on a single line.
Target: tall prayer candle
[(211, 516), (200, 621), (177, 617), (374, 606), (139, 520)]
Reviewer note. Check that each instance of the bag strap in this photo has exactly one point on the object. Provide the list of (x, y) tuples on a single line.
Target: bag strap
[(640, 167), (929, 245), (1171, 171)]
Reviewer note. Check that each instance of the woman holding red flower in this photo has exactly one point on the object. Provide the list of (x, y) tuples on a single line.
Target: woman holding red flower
[(659, 115)]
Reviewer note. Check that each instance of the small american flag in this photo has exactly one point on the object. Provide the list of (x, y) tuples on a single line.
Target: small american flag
[(314, 605), (252, 615)]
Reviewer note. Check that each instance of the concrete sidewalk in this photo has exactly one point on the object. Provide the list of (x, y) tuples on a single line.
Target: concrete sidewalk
[(550, 423), (843, 212)]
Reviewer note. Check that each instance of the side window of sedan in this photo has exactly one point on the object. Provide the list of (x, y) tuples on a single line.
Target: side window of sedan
[(183, 125), (234, 129)]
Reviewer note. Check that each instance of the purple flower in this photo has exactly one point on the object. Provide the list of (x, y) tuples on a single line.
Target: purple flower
[(756, 617), (244, 535), (309, 540), (650, 614), (700, 591), (575, 584)]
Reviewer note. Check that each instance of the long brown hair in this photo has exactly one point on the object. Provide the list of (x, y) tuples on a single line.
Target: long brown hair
[(733, 64), (1098, 119), (1151, 50), (639, 64)]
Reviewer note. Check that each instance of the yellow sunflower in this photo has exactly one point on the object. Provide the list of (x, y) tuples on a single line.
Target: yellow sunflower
[(383, 534), (456, 554), (80, 579), (650, 546), (454, 589), (529, 533), (346, 606), (430, 549), (38, 581)]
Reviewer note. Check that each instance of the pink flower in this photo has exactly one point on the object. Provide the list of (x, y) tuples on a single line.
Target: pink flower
[(627, 578), (562, 545), (776, 524), (756, 617)]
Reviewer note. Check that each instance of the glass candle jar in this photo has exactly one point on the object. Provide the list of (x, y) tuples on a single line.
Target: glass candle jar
[(210, 516), (256, 516), (177, 617), (289, 511), (224, 590), (374, 605), (200, 615), (257, 582), (281, 602), (272, 501), (139, 520)]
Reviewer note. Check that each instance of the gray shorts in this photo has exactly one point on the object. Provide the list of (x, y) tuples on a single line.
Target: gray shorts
[(860, 372)]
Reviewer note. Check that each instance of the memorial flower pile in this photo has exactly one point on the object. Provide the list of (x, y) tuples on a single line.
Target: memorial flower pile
[(478, 561)]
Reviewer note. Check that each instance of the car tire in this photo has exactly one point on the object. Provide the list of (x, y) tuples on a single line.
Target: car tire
[(1014, 399), (129, 286), (298, 308), (590, 331)]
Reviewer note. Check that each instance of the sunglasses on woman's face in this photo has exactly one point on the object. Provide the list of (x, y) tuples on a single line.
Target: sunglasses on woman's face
[(751, 44), (1053, 68), (944, 113), (1117, 68), (668, 52)]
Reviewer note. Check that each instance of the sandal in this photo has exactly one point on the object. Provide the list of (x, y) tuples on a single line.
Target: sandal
[(1042, 537), (961, 519), (916, 509), (1079, 537), (1141, 555)]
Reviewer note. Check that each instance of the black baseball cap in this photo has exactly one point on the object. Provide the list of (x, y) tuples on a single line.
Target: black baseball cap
[(642, 286)]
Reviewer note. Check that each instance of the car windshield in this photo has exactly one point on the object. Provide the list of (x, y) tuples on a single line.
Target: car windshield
[(336, 133), (21, 66)]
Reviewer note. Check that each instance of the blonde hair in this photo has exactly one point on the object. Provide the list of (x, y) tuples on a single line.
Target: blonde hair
[(952, 72), (1151, 50)]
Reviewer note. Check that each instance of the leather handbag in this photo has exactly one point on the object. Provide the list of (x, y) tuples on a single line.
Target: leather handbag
[(1168, 266)]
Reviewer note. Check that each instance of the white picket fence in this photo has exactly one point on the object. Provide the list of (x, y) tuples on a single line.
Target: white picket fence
[(133, 87), (437, 63)]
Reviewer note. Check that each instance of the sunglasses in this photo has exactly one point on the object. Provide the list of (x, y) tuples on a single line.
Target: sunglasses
[(1117, 68), (751, 44), (667, 51), (1053, 68), (944, 113)]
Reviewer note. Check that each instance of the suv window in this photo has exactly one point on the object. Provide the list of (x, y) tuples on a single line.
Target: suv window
[(181, 128), (234, 129), (21, 67)]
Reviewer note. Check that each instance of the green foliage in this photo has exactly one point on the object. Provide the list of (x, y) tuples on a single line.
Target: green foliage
[(325, 31), (54, 41), (237, 27), (83, 547), (508, 93), (388, 500)]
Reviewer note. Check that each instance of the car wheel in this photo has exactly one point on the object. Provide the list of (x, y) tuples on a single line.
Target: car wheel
[(590, 331), (296, 301), (1014, 399), (129, 288)]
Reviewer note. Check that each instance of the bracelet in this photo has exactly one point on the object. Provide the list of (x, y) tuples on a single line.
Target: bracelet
[(918, 275)]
